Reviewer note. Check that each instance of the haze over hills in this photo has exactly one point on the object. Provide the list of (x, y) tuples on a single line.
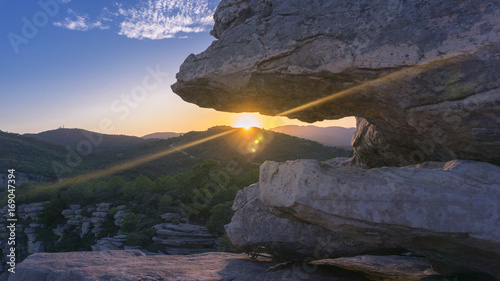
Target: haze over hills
[(331, 136)]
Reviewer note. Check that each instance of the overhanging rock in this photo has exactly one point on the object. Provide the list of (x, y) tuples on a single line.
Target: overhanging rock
[(423, 77)]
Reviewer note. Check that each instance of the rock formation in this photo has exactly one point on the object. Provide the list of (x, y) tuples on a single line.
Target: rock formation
[(423, 77), (116, 242), (100, 216), (447, 211), (25, 233), (183, 239), (253, 225), (120, 215)]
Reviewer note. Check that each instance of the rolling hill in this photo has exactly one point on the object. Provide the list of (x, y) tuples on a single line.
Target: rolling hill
[(100, 142), (65, 153), (28, 155)]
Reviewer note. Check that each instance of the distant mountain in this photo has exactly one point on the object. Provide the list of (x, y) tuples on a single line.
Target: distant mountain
[(100, 142), (164, 135), (65, 153), (258, 144), (331, 136)]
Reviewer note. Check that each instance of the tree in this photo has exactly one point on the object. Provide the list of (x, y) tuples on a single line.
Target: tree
[(220, 215)]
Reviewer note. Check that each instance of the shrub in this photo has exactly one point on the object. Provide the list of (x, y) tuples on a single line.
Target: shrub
[(129, 223), (135, 239), (220, 215)]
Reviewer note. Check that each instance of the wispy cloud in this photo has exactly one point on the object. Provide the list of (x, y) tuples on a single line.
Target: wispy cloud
[(147, 19), (79, 22), (159, 19)]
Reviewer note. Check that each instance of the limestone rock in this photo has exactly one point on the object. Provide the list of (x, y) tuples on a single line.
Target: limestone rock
[(253, 225), (120, 216), (61, 229), (31, 211), (169, 217), (110, 243), (86, 227), (104, 207), (449, 211), (132, 265), (100, 214), (184, 238), (423, 77), (384, 267), (75, 207)]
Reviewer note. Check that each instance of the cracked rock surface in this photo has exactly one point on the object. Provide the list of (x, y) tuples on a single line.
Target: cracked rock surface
[(447, 211)]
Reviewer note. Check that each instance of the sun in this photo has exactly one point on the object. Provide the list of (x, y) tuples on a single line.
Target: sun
[(247, 121)]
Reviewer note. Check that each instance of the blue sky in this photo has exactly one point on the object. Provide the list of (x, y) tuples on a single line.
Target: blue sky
[(84, 63)]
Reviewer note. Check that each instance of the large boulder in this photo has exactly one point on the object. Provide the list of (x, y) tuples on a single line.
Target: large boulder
[(253, 225), (422, 76), (450, 211)]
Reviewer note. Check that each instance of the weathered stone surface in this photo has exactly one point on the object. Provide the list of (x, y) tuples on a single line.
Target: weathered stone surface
[(103, 207), (132, 265), (110, 243), (61, 229), (423, 77), (120, 216), (68, 212), (253, 225), (100, 214), (449, 211), (169, 217), (182, 239), (399, 268)]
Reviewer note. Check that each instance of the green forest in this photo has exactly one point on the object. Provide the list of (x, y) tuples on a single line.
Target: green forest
[(204, 196)]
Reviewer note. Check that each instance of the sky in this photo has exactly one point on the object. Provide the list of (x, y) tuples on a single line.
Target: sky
[(107, 66)]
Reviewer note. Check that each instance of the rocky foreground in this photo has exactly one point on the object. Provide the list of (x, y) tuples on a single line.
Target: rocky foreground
[(448, 212), (133, 265)]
